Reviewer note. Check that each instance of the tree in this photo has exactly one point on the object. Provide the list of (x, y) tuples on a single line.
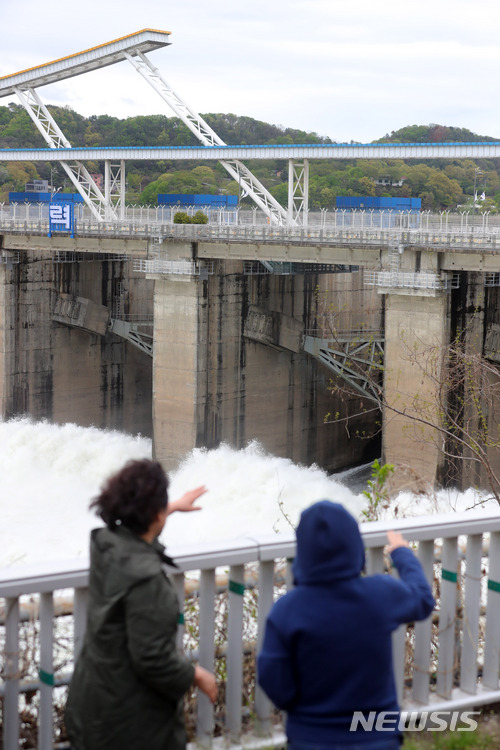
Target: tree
[(205, 175), (366, 186)]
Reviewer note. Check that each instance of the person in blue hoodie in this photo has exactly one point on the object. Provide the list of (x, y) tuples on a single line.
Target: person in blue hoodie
[(327, 650)]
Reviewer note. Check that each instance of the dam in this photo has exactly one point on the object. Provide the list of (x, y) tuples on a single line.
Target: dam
[(199, 339), (228, 333), (228, 362)]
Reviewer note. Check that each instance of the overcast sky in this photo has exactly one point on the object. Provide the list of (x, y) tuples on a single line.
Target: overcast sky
[(346, 70)]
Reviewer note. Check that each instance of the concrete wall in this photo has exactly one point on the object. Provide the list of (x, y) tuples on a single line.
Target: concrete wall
[(8, 330), (213, 384), (64, 374), (416, 339), (179, 367)]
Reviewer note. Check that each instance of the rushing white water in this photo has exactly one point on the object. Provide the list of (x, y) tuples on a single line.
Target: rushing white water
[(50, 473)]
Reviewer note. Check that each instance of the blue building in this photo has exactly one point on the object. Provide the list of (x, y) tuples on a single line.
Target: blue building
[(200, 200), (35, 196), (371, 203), (367, 210)]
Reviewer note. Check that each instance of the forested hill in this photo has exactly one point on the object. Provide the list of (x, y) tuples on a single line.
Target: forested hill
[(439, 183), (433, 134), (17, 130)]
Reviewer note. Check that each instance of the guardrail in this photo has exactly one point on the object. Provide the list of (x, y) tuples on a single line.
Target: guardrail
[(449, 236), (449, 661)]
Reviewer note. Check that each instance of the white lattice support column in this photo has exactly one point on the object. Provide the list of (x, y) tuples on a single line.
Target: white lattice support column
[(114, 188), (42, 118), (202, 130), (298, 192), (55, 138), (84, 183)]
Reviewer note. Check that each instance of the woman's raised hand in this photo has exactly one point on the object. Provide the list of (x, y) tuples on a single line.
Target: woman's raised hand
[(186, 503)]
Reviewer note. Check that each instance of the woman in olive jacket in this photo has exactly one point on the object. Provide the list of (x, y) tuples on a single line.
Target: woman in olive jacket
[(127, 687)]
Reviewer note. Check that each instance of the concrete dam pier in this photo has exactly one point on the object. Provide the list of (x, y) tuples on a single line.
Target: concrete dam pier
[(224, 362)]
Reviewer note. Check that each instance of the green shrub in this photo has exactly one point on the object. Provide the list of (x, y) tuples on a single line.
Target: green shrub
[(181, 217), (199, 218)]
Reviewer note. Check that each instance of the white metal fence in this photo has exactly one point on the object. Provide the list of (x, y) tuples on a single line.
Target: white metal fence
[(449, 661), (361, 218), (440, 231), (472, 238)]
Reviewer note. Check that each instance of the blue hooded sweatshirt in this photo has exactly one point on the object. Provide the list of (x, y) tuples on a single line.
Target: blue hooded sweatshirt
[(327, 649)]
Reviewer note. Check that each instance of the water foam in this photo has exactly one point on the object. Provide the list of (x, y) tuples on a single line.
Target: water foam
[(50, 473)]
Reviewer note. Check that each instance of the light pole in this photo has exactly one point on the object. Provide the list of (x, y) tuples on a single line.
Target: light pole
[(53, 170), (477, 172)]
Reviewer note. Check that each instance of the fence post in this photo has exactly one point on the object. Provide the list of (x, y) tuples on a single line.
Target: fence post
[(11, 699), (205, 715), (423, 631), (178, 582), (398, 655), (447, 618), (492, 635), (235, 650), (80, 620), (374, 560), (471, 611), (266, 585), (46, 671)]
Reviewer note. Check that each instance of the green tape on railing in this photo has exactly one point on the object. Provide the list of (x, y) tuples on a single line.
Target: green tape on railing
[(46, 677), (493, 585), (236, 588), (180, 619), (449, 575)]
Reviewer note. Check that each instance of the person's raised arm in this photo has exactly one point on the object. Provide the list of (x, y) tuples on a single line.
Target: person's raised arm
[(395, 539), (186, 503), (413, 598)]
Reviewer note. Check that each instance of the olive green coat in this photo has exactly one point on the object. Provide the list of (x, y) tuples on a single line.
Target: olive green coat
[(128, 683)]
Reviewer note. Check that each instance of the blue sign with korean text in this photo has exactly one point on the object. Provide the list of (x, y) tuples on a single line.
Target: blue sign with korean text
[(61, 218)]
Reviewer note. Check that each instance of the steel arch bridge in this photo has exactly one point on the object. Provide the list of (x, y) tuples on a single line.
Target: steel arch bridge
[(109, 204)]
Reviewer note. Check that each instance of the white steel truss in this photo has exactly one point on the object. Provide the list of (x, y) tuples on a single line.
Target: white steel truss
[(298, 192), (114, 186), (76, 171), (352, 358), (202, 130)]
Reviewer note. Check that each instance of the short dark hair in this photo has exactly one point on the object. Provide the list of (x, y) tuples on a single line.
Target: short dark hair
[(133, 496)]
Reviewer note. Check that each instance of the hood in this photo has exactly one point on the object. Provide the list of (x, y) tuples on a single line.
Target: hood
[(329, 545), (123, 559)]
